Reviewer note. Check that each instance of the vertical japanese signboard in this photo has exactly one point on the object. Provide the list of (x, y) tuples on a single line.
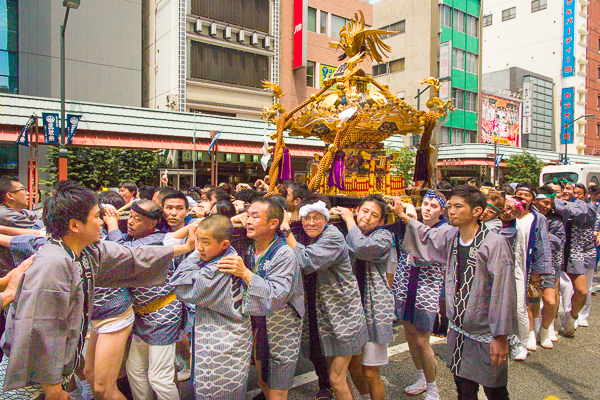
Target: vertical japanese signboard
[(500, 120), (300, 33), (568, 58), (445, 70), (566, 115)]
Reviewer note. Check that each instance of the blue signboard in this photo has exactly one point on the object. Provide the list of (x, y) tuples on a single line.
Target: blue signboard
[(51, 131), (568, 59), (566, 115), (72, 122), (498, 159)]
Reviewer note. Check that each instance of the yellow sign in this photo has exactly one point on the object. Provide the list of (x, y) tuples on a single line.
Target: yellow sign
[(325, 73)]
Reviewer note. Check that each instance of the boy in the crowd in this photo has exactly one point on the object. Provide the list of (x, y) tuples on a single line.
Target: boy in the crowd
[(222, 334)]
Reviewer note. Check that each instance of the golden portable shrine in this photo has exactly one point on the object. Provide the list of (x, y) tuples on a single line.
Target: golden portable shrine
[(354, 114)]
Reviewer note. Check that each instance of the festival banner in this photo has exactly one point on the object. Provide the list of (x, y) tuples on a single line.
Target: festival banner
[(23, 138), (568, 57), (500, 119), (325, 72), (72, 122), (51, 130), (566, 115)]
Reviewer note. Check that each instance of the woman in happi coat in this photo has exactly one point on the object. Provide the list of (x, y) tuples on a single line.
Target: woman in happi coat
[(417, 288), (341, 320)]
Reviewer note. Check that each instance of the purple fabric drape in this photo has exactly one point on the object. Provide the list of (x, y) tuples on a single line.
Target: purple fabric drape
[(337, 173), (421, 166), (286, 169)]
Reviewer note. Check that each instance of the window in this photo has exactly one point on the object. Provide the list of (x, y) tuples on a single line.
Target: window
[(471, 101), (598, 72), (310, 73), (457, 136), (445, 16), (397, 28), (487, 20), (459, 21), (472, 26), (323, 25), (598, 103), (472, 63), (458, 59), (444, 135), (253, 15), (509, 13), (598, 130), (312, 19), (336, 24), (458, 98), (415, 140), (397, 65), (538, 5), (471, 136), (9, 56), (379, 69)]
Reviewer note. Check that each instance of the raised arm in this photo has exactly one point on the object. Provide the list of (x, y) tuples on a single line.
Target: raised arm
[(430, 244), (374, 247)]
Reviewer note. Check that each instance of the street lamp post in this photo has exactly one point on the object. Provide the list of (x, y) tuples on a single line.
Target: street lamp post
[(62, 152), (565, 135)]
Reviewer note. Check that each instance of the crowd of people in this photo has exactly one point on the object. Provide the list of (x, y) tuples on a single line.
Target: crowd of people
[(99, 305)]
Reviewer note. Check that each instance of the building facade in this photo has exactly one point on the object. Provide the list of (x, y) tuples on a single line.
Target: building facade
[(549, 39), (415, 49), (592, 137), (210, 57), (324, 19)]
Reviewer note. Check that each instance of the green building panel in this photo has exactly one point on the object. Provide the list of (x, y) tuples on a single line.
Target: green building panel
[(471, 82), (458, 4), (473, 7), (446, 34), (458, 79), (472, 45)]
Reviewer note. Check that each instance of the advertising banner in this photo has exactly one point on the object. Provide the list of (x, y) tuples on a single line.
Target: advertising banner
[(568, 58), (325, 72), (72, 122), (23, 138), (566, 115), (500, 120), (300, 35)]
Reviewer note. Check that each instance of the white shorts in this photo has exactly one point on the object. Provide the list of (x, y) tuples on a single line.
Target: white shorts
[(115, 324), (374, 354)]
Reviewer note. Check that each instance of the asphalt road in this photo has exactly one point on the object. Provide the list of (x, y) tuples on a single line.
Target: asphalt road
[(571, 371)]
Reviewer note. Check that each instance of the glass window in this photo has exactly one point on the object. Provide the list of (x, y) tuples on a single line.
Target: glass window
[(458, 59), (458, 98), (9, 57), (487, 20), (457, 136), (470, 136), (379, 69), (312, 19), (323, 25), (397, 65), (538, 5), (445, 16), (471, 101), (336, 24), (459, 21), (444, 135), (472, 63), (509, 13), (398, 27), (472, 26), (310, 74)]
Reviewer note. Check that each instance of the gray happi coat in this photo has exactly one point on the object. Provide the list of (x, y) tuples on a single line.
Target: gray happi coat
[(43, 323), (340, 314), (14, 219), (580, 217), (378, 302), (222, 334), (491, 308)]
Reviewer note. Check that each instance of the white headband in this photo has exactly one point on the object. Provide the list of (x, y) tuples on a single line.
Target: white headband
[(319, 207)]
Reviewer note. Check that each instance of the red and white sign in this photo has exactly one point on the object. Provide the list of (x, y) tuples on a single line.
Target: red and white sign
[(300, 33)]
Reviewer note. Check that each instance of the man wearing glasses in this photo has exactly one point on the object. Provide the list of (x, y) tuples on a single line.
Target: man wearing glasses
[(14, 199)]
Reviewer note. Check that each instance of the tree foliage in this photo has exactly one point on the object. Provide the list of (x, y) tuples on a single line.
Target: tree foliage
[(524, 167), (103, 167), (403, 163)]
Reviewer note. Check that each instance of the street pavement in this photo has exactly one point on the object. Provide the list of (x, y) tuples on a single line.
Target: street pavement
[(571, 371)]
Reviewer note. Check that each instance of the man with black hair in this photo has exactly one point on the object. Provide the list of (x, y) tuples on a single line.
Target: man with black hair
[(14, 199), (146, 192), (274, 297), (57, 292), (480, 291), (175, 207), (370, 249), (580, 255), (128, 190), (533, 258), (473, 182), (160, 193), (296, 192)]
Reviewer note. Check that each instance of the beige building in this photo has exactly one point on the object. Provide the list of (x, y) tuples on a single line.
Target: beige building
[(415, 46)]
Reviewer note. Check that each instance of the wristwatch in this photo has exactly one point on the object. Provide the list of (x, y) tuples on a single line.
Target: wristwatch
[(286, 232)]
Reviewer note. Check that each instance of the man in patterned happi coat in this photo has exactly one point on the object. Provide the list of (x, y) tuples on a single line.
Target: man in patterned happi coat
[(370, 249), (274, 297), (47, 323), (480, 291)]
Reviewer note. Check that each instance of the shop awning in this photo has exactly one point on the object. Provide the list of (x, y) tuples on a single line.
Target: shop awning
[(9, 133), (485, 163)]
